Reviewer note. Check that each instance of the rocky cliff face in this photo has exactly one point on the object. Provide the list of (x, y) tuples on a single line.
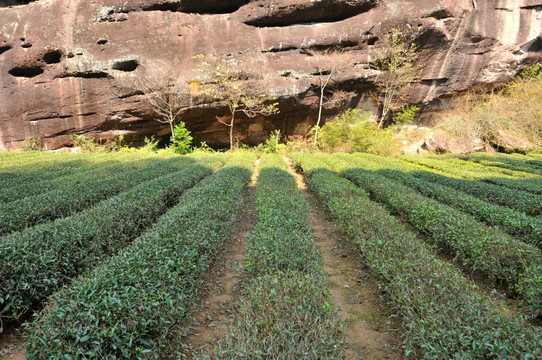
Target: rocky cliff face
[(68, 66)]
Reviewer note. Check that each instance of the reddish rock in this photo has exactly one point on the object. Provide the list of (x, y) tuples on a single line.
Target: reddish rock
[(68, 66)]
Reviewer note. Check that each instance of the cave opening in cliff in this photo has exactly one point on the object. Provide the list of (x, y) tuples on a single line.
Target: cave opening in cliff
[(5, 48), (26, 71), (126, 66), (52, 57), (8, 3)]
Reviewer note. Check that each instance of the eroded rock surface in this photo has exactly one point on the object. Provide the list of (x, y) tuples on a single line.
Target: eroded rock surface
[(68, 66)]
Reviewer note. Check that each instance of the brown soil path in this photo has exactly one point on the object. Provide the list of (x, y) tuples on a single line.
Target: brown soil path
[(369, 330), (210, 323), (11, 344)]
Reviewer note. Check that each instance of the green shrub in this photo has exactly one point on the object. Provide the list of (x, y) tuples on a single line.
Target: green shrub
[(504, 161), (31, 144), (285, 316), (406, 115), (87, 145), (204, 148), (72, 173), (151, 144), (70, 199), (523, 201), (287, 311), (281, 240), (182, 140), (517, 181), (36, 262), (130, 306), (486, 250), (272, 143), (353, 131), (444, 317), (531, 72), (525, 228)]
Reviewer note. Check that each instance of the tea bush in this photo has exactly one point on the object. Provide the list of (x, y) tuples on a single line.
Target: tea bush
[(127, 308), (443, 314)]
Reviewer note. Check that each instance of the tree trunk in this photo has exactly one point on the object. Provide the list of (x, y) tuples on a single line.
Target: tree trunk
[(319, 114), (172, 130), (385, 109), (231, 129)]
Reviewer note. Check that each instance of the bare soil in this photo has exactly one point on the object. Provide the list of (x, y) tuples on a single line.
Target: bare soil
[(11, 344), (369, 326), (210, 323)]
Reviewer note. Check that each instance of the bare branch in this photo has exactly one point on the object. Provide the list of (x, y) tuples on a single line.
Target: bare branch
[(327, 64), (166, 91), (397, 67), (231, 83)]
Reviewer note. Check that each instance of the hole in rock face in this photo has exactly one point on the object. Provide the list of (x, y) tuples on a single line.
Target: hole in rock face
[(212, 6), (102, 42), (4, 48), (52, 57), (6, 3), (26, 71), (26, 45), (87, 75), (127, 65), (534, 45), (372, 40)]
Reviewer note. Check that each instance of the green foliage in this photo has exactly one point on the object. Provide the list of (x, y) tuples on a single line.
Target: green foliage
[(523, 201), (151, 144), (31, 144), (68, 200), (525, 228), (130, 306), (285, 316), (271, 144), (37, 261), (86, 145), (486, 249), (504, 161), (504, 178), (71, 173), (531, 72), (443, 314), (182, 140), (281, 240), (352, 131), (204, 148), (287, 311), (406, 115)]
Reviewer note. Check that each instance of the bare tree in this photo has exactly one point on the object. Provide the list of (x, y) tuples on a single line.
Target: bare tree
[(327, 64), (396, 63), (231, 85), (166, 91)]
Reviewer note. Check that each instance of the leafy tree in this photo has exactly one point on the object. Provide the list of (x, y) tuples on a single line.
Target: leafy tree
[(231, 85), (397, 67)]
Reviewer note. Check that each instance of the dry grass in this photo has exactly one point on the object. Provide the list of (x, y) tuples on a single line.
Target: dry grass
[(508, 118)]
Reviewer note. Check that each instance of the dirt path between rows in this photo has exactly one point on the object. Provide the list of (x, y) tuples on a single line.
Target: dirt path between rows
[(11, 344), (368, 327), (210, 322)]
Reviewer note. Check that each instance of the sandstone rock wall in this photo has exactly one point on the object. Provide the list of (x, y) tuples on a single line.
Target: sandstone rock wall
[(68, 66)]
